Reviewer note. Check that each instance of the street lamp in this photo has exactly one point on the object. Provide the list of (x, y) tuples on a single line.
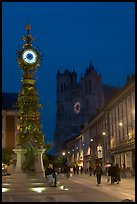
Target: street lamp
[(120, 124), (63, 153)]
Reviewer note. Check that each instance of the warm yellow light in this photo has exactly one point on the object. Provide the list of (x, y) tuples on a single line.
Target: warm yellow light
[(103, 133), (5, 190), (6, 184), (64, 188), (63, 153), (4, 166), (38, 189), (61, 187), (18, 127), (120, 124)]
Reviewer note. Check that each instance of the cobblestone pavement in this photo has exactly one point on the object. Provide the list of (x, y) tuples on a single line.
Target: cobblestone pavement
[(125, 189)]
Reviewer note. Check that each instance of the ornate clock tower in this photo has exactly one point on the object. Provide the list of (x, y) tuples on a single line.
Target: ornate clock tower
[(30, 140)]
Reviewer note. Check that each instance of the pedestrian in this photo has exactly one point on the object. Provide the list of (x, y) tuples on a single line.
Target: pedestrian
[(90, 170), (98, 174), (94, 170), (74, 169), (117, 174), (124, 171), (81, 170), (67, 170), (111, 173), (77, 169), (54, 179), (107, 171)]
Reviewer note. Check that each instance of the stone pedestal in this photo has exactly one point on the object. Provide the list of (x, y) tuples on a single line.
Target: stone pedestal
[(20, 159), (21, 181), (39, 168), (18, 175)]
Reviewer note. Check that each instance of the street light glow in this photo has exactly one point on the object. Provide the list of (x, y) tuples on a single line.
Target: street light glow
[(63, 153), (103, 133), (120, 124)]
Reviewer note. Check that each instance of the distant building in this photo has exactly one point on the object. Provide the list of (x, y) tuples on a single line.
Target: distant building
[(9, 120), (77, 102), (110, 136)]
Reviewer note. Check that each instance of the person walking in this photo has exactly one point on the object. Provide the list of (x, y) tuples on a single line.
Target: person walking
[(99, 172), (90, 170), (81, 170), (117, 174), (54, 179), (124, 171), (77, 169), (74, 169), (111, 173), (107, 171), (67, 170)]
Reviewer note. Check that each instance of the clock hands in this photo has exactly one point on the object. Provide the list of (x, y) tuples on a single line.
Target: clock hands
[(29, 56)]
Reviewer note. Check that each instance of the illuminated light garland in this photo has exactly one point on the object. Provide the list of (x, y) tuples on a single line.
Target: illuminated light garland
[(29, 134)]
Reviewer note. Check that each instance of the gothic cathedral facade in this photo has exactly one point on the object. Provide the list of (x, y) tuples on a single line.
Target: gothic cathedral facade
[(76, 104)]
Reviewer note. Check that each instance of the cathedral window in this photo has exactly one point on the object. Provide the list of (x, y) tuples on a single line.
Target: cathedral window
[(85, 86), (65, 86), (89, 86), (71, 80), (61, 88)]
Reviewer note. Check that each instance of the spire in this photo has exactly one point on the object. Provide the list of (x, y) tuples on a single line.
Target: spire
[(58, 73), (28, 38), (28, 27)]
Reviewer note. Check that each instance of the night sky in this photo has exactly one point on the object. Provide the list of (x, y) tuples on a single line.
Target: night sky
[(69, 35)]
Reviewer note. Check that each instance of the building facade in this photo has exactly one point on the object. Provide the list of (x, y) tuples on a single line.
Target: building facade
[(9, 120), (121, 119), (110, 136), (77, 102)]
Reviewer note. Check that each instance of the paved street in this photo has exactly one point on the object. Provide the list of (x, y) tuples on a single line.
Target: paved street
[(78, 188)]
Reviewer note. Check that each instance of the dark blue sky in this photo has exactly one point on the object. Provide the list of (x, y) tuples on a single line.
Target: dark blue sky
[(69, 35)]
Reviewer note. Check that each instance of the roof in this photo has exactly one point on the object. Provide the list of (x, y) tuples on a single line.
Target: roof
[(9, 101), (109, 91)]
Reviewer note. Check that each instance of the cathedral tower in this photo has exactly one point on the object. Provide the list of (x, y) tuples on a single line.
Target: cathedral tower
[(76, 103)]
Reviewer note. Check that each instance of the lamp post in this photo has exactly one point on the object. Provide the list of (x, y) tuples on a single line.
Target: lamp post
[(91, 151), (63, 153)]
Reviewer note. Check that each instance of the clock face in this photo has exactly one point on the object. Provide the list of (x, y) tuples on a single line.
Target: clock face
[(29, 56), (77, 107)]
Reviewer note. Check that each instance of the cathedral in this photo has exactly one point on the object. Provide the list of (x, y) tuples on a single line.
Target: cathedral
[(77, 103)]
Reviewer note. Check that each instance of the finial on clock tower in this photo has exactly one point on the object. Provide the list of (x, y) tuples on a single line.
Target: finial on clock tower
[(28, 38), (28, 27)]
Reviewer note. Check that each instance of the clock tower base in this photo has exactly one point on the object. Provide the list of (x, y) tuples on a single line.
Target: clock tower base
[(21, 181)]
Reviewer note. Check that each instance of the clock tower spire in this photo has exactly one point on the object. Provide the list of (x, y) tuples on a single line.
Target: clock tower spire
[(29, 134), (28, 39)]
